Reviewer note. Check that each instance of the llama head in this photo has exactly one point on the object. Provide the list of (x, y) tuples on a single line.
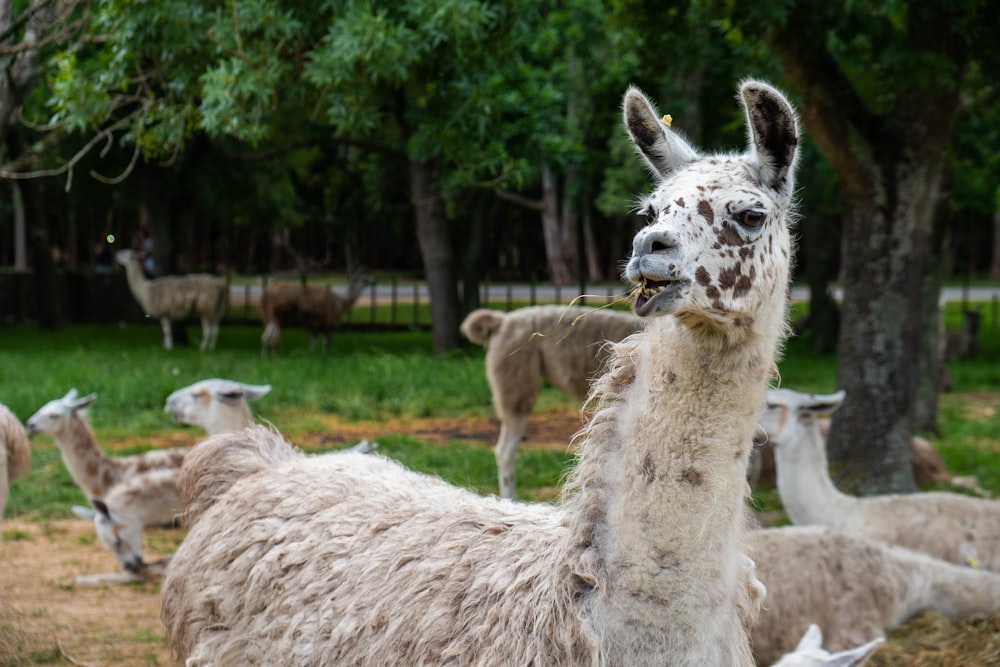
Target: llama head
[(810, 652), (120, 536), (717, 245), (54, 415), (197, 404), (126, 256), (789, 417)]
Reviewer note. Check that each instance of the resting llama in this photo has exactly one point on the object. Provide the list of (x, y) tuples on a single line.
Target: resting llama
[(349, 559), (314, 308), (15, 453), (177, 297), (139, 490), (948, 526), (854, 588), (215, 404), (566, 346)]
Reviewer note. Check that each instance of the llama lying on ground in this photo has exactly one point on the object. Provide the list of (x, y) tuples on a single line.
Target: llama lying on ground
[(854, 588), (177, 298), (948, 526), (928, 466), (15, 453), (348, 559), (140, 490), (566, 346), (316, 309), (214, 404)]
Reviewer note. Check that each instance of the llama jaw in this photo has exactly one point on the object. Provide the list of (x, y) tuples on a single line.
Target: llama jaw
[(657, 296)]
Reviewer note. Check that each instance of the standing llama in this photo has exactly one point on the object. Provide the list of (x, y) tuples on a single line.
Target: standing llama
[(567, 346), (950, 526), (351, 559), (177, 297), (137, 491), (316, 309), (15, 453)]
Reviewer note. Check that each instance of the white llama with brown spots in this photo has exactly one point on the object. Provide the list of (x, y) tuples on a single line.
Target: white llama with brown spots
[(138, 490), (350, 559)]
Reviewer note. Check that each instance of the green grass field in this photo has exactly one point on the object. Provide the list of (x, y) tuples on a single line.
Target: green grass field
[(368, 376)]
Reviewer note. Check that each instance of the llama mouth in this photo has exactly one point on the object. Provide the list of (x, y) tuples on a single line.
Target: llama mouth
[(652, 296)]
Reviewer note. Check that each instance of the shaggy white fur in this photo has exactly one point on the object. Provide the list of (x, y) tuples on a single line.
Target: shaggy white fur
[(948, 526), (349, 559), (15, 453), (564, 345), (854, 588)]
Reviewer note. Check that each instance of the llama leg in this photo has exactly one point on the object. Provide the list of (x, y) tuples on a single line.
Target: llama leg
[(206, 335), (511, 431), (168, 335)]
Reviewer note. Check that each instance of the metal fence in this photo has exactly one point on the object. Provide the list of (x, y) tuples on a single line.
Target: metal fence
[(392, 302)]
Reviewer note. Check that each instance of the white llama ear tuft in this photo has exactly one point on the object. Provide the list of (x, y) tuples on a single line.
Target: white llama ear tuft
[(663, 149), (773, 133)]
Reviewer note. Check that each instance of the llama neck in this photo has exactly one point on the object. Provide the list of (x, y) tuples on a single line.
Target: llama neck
[(137, 283), (88, 466), (233, 418), (807, 493), (660, 489)]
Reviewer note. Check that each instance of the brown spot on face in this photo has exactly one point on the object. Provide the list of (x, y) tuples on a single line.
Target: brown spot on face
[(705, 209), (692, 477), (702, 276), (746, 252), (728, 277), (712, 292), (671, 377), (743, 286), (92, 468), (107, 478), (680, 202), (648, 469), (729, 236)]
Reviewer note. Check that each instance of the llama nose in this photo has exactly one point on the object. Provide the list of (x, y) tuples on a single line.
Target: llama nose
[(649, 242)]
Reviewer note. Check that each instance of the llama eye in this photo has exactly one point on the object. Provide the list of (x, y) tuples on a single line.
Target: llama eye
[(651, 215), (751, 218)]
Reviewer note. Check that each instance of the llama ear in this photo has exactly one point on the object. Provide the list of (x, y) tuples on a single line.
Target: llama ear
[(255, 391), (664, 150), (853, 657), (773, 133), (825, 404), (81, 403), (84, 513)]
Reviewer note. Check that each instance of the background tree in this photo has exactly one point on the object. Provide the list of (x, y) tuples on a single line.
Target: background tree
[(880, 86)]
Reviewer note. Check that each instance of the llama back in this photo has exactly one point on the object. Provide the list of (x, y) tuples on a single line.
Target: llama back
[(218, 462), (367, 527), (194, 294)]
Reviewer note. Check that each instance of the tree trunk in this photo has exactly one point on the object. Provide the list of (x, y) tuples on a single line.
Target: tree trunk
[(925, 407), (438, 255), (561, 254), (995, 260)]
